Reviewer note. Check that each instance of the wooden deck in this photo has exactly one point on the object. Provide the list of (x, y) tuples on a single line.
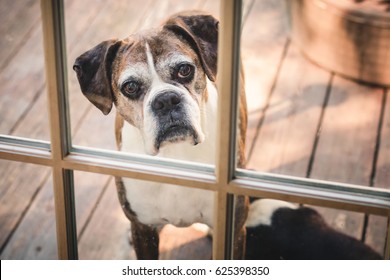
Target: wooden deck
[(303, 121)]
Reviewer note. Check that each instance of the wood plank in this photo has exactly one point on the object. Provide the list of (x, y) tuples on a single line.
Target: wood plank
[(35, 124), (22, 81), (213, 7), (346, 145), (376, 233), (264, 37), (377, 226), (382, 179), (210, 6), (163, 10), (348, 134), (89, 188), (15, 32), (286, 138), (106, 236), (35, 237), (19, 184), (95, 124)]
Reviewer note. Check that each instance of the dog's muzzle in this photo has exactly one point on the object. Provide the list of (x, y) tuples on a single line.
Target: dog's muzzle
[(173, 122)]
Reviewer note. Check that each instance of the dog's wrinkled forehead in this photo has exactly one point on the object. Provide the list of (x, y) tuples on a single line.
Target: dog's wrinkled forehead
[(154, 51)]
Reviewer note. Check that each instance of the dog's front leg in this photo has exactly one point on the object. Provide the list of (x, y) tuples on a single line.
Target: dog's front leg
[(145, 241), (241, 211)]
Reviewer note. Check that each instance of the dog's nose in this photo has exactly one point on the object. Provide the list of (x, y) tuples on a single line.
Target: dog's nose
[(166, 101)]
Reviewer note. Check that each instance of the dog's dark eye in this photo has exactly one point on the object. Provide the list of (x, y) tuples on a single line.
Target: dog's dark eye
[(184, 71), (131, 89)]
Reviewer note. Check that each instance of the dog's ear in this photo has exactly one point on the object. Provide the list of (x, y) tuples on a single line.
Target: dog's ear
[(201, 32), (93, 70)]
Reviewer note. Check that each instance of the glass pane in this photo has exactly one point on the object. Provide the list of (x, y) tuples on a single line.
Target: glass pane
[(88, 23), (23, 108), (304, 120), (102, 227), (282, 230), (103, 234), (104, 230), (27, 219)]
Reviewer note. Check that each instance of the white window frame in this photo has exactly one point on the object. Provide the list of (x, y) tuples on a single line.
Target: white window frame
[(223, 178)]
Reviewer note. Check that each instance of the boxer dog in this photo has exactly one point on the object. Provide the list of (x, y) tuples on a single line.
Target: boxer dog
[(162, 83)]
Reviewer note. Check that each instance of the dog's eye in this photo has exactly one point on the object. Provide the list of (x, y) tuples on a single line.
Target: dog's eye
[(185, 70), (130, 89)]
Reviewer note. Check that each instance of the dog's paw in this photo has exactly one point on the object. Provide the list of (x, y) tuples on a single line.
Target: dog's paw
[(262, 210), (203, 228)]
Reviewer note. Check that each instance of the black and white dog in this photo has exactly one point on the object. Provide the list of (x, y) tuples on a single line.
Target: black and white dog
[(281, 230)]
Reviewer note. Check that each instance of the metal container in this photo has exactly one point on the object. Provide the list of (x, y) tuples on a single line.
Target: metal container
[(344, 37)]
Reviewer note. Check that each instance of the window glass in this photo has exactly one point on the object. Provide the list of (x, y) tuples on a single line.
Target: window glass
[(88, 23), (104, 232), (23, 106), (304, 120), (101, 225), (28, 229)]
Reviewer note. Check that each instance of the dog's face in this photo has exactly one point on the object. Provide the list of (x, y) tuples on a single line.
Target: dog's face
[(159, 86), (156, 79)]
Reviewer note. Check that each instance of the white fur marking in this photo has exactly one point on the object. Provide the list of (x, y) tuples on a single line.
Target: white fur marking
[(203, 228), (173, 60), (135, 70), (262, 210), (156, 80), (156, 203)]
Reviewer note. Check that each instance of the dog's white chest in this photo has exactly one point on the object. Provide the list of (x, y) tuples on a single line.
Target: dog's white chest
[(156, 203)]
